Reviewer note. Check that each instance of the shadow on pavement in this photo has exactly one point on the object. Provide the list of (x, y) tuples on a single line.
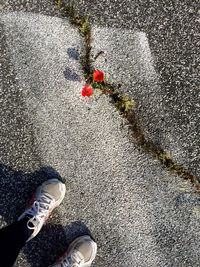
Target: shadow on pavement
[(71, 75), (16, 188), (52, 242)]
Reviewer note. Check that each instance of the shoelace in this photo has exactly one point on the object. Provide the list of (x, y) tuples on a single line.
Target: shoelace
[(75, 260), (39, 210)]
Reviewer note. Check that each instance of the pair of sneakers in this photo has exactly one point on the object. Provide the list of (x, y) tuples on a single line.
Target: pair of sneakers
[(47, 197)]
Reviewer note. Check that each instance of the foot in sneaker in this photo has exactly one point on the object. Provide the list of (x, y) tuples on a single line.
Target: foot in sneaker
[(48, 196), (81, 253)]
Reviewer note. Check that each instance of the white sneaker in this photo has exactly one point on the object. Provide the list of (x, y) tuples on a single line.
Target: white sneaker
[(81, 253), (48, 196)]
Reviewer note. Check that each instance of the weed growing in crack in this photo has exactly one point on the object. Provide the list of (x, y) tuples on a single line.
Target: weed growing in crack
[(196, 211), (58, 3), (125, 104), (68, 10), (85, 27)]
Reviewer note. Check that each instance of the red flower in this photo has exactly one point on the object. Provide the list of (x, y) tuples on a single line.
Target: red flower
[(87, 90), (98, 76)]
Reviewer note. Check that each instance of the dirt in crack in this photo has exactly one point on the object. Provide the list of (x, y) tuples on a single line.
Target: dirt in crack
[(122, 102)]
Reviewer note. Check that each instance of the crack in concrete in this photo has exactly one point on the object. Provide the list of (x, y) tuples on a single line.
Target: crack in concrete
[(122, 101)]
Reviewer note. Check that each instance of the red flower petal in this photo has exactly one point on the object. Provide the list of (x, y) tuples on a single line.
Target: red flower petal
[(87, 90), (98, 76)]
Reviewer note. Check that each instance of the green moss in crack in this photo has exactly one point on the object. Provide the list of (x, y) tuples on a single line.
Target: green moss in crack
[(196, 211), (125, 103), (68, 10), (85, 27), (165, 157), (59, 3), (167, 161), (122, 101)]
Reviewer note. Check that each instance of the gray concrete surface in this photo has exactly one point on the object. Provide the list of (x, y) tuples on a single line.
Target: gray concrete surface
[(138, 213), (169, 108), (45, 7), (169, 120)]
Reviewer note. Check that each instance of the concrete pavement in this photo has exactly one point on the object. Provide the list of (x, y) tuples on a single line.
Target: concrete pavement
[(169, 108), (139, 214)]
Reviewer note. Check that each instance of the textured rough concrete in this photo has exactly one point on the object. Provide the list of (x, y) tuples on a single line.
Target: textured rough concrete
[(139, 214), (17, 147), (46, 7), (169, 111), (166, 119)]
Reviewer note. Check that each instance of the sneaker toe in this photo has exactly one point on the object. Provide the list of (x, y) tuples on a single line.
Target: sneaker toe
[(54, 188)]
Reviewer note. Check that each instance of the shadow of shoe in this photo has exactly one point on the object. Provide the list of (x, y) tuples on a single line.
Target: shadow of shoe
[(15, 191), (17, 187), (45, 248), (75, 230), (52, 242)]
